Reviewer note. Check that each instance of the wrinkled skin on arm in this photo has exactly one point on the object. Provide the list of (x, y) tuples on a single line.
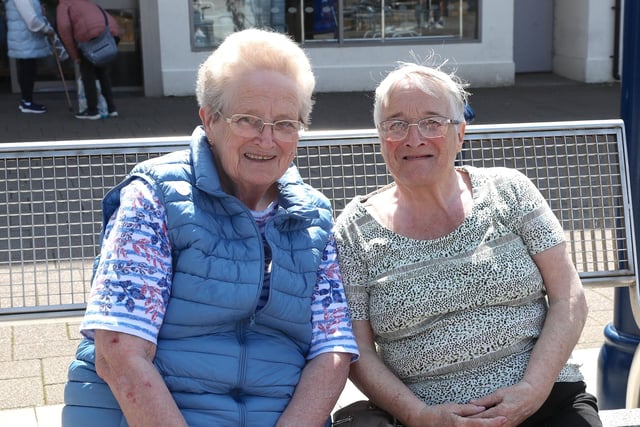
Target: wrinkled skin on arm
[(321, 383), (125, 363)]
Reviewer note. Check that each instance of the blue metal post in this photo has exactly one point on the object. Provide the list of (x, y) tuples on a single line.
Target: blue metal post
[(623, 336)]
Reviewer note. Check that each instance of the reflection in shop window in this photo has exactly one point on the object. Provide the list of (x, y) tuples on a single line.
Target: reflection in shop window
[(395, 19), (318, 21), (213, 20)]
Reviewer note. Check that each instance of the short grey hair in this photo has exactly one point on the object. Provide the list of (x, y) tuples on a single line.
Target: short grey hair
[(427, 79), (250, 50)]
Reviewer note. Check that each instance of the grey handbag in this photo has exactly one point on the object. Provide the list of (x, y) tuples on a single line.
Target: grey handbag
[(101, 50), (363, 414)]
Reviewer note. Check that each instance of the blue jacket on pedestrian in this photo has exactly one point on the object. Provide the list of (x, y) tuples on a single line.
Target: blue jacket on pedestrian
[(225, 363), (26, 30)]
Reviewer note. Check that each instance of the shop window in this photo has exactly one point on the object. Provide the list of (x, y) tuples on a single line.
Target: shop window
[(335, 21), (393, 19)]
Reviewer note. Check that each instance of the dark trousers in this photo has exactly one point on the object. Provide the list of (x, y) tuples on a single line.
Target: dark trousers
[(27, 70), (567, 405), (89, 73)]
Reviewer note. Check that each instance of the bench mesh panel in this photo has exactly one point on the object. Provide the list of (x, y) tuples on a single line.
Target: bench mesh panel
[(580, 175), (50, 223)]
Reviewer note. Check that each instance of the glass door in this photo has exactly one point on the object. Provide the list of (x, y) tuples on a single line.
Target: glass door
[(126, 72)]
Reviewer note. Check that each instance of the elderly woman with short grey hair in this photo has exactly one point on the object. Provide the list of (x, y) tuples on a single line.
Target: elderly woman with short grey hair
[(217, 299), (465, 302)]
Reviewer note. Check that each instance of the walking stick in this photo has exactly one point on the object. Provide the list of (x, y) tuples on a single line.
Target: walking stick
[(64, 83)]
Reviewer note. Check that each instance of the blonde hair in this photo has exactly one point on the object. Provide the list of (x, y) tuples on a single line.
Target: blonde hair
[(250, 50), (428, 80)]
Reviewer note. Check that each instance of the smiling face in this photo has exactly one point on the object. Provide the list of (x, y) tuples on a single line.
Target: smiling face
[(249, 166), (416, 160)]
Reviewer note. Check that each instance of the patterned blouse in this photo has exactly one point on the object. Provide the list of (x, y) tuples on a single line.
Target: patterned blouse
[(132, 284), (456, 317)]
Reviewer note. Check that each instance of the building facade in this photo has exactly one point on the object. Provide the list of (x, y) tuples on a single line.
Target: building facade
[(352, 44)]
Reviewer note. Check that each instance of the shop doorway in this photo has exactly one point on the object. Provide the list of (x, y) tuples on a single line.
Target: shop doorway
[(533, 36), (126, 71)]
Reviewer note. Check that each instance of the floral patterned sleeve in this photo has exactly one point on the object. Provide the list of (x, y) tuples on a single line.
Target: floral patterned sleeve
[(330, 315), (132, 283)]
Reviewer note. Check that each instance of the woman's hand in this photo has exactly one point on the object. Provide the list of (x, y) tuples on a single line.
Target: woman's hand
[(515, 403), (454, 415)]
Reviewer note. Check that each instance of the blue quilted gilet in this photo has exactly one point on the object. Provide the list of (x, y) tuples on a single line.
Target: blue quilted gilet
[(224, 362)]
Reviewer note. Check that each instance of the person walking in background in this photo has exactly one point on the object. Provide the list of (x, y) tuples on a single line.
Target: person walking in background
[(217, 298), (465, 302), (27, 32), (80, 21)]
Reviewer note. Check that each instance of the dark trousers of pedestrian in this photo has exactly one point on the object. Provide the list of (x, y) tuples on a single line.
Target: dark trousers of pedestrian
[(89, 74), (27, 70)]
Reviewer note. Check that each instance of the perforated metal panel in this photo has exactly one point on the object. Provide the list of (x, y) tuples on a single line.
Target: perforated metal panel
[(580, 170), (50, 203), (50, 219), (344, 167)]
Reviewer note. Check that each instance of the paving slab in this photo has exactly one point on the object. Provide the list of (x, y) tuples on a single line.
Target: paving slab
[(21, 392), (49, 416), (19, 369), (620, 418), (19, 418)]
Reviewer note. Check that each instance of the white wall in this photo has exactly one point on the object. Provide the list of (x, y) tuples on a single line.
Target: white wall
[(179, 63), (583, 40), (484, 63), (600, 48)]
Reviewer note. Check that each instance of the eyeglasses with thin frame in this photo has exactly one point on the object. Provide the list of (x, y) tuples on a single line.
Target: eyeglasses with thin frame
[(249, 126), (429, 127)]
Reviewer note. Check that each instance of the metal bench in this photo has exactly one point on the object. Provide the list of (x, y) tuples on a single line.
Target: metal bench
[(50, 203)]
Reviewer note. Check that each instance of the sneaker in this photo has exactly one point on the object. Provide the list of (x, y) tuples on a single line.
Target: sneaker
[(31, 107), (86, 115), (113, 113)]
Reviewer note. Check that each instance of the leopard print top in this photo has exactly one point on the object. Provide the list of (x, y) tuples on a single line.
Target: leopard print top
[(455, 317)]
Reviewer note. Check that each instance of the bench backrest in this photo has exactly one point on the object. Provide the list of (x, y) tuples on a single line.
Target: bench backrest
[(50, 208), (580, 168)]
